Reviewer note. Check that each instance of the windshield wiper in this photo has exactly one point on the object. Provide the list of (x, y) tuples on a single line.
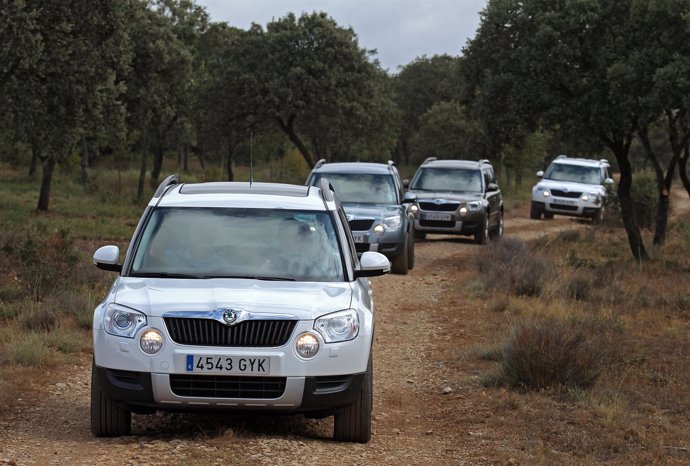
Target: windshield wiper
[(168, 275), (253, 277)]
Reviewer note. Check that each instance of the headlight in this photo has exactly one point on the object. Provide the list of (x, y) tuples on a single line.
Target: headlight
[(378, 229), (307, 345), (463, 210), (151, 341), (585, 197), (546, 193), (594, 197), (338, 326), (474, 205), (393, 223), (413, 208), (123, 321)]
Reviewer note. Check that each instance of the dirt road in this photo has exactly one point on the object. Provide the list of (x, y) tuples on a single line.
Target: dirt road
[(428, 406)]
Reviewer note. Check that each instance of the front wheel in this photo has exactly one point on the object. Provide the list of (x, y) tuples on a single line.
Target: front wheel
[(353, 423), (108, 419), (599, 216), (535, 211), (498, 232), (419, 235), (410, 252), (400, 264), (482, 236)]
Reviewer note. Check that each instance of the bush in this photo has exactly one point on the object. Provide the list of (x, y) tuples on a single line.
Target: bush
[(32, 351), (41, 320), (508, 264), (559, 353), (645, 198)]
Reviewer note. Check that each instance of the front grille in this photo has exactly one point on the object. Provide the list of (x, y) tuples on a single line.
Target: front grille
[(361, 225), (437, 223), (361, 247), (223, 386), (571, 208), (208, 332), (445, 207), (559, 193)]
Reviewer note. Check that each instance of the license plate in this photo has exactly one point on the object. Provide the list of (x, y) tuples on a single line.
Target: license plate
[(436, 216), (564, 202), (358, 238), (228, 364)]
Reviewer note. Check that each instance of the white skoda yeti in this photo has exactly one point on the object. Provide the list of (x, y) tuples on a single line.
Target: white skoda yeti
[(237, 296), (571, 186)]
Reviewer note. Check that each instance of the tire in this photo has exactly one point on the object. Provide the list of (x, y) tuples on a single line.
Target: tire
[(482, 236), (353, 423), (535, 211), (108, 419), (498, 232), (419, 235), (548, 215), (599, 216), (400, 264), (410, 252)]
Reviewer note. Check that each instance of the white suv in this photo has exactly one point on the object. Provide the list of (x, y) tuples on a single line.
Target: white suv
[(572, 186), (237, 296)]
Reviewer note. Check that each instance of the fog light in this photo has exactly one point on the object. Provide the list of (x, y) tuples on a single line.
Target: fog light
[(546, 194), (413, 209), (151, 341), (378, 229), (307, 345), (463, 210)]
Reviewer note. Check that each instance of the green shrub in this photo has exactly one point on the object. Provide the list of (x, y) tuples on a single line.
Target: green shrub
[(32, 351), (509, 265), (559, 353)]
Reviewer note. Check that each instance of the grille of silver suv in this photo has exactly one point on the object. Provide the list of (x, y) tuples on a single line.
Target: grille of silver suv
[(221, 386), (561, 193), (445, 207), (208, 332)]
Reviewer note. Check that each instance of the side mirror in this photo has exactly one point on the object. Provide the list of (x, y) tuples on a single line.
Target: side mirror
[(492, 187), (409, 198), (106, 258), (372, 264), (608, 181), (406, 183), (540, 174)]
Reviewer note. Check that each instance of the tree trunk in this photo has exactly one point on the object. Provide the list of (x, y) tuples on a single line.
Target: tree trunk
[(289, 129), (84, 161), (663, 184), (683, 168), (46, 181), (35, 157), (142, 168), (635, 240), (185, 158), (157, 165), (228, 161)]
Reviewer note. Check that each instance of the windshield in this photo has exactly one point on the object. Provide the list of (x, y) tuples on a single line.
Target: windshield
[(360, 188), (574, 173), (447, 179), (268, 244)]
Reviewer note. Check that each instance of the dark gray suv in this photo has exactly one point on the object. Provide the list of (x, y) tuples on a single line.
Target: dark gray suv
[(373, 197), (458, 197)]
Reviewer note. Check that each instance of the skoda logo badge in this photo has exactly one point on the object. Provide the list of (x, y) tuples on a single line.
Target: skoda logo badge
[(229, 316), (438, 201)]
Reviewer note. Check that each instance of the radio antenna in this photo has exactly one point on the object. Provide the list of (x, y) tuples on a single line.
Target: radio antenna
[(251, 160)]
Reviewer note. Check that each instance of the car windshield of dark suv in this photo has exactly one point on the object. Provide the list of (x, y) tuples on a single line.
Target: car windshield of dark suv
[(360, 187), (267, 244), (574, 173), (447, 179)]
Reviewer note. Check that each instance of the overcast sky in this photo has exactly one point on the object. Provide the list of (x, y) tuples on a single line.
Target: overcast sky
[(399, 30)]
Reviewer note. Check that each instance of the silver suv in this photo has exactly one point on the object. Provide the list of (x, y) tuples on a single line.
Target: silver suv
[(373, 197), (459, 197), (237, 296), (572, 186)]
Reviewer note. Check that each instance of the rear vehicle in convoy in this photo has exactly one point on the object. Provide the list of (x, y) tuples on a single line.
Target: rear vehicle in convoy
[(572, 186), (458, 197), (241, 297), (373, 197)]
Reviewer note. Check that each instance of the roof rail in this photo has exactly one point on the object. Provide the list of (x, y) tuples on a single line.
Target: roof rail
[(319, 163), (169, 181), (562, 156), (326, 188), (485, 161), (429, 159), (604, 161)]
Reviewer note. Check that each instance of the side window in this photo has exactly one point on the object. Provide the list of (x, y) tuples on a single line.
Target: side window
[(487, 178), (351, 251)]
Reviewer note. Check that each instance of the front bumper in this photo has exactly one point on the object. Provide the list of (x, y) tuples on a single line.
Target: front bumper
[(566, 206), (455, 223), (143, 392), (391, 243)]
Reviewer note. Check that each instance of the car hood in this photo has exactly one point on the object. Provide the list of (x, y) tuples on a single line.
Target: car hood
[(570, 186), (356, 210), (448, 196), (305, 300)]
